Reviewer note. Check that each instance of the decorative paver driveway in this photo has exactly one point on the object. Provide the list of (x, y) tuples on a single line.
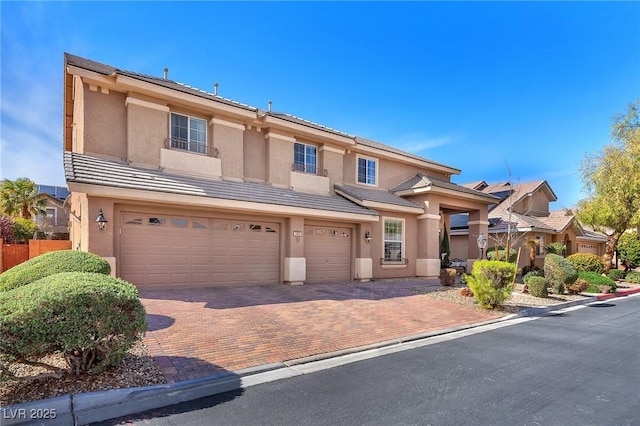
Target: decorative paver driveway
[(200, 332)]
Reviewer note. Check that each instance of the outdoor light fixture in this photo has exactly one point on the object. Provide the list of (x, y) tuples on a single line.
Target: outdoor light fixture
[(367, 236), (482, 244), (101, 221)]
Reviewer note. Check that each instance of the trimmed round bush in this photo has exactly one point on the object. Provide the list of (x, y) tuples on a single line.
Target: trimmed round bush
[(53, 262), (93, 319), (587, 262), (538, 286), (529, 275), (559, 271), (491, 282), (617, 274), (633, 277), (578, 286), (595, 280)]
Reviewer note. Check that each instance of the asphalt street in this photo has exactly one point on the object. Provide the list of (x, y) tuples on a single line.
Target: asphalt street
[(579, 367)]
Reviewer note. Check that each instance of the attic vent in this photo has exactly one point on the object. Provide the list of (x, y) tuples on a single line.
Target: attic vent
[(166, 73)]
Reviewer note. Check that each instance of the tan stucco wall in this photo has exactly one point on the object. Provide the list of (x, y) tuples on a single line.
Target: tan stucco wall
[(230, 144), (105, 124), (410, 246), (535, 205), (79, 226), (458, 244), (332, 162), (147, 130), (280, 159), (255, 155), (101, 242)]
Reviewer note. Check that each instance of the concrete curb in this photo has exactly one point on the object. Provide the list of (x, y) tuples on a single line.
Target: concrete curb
[(92, 407)]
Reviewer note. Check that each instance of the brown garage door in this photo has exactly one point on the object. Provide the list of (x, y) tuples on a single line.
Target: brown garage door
[(171, 251), (328, 253)]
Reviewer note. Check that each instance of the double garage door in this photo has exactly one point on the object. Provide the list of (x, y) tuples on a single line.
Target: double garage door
[(159, 250)]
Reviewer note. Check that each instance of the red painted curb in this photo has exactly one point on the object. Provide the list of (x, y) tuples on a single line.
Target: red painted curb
[(620, 293)]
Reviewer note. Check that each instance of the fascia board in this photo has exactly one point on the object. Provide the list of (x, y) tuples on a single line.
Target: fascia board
[(127, 83), (278, 123), (381, 206), (377, 152), (196, 201)]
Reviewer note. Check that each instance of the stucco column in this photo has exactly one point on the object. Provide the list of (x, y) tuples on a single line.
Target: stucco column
[(102, 242), (363, 261), (478, 224), (428, 261), (295, 264), (332, 162), (228, 139), (279, 159)]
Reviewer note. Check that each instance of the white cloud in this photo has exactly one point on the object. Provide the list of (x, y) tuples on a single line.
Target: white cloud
[(418, 143)]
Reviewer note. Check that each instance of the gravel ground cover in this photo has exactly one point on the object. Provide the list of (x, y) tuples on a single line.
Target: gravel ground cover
[(139, 369)]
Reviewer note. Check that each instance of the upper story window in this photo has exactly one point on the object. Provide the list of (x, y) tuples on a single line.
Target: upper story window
[(305, 158), (367, 171), (188, 133)]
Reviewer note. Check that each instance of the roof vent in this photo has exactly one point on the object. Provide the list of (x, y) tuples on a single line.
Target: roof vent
[(166, 73), (215, 89), (269, 108)]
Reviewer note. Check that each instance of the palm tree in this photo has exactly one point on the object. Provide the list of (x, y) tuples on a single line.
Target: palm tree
[(533, 244), (21, 198), (556, 248)]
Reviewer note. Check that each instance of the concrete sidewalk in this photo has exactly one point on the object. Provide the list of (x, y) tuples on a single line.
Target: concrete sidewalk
[(98, 406)]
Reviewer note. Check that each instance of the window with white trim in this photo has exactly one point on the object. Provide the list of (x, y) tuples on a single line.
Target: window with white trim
[(540, 246), (393, 240), (367, 171), (188, 133), (305, 158)]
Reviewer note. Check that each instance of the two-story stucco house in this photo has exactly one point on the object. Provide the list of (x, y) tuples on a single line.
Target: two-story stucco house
[(201, 190)]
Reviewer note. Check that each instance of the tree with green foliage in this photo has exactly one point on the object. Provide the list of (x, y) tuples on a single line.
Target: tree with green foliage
[(445, 250), (629, 250), (20, 197), (612, 182)]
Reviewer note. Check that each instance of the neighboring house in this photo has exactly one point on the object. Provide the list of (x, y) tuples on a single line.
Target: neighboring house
[(56, 223), (202, 190), (523, 212)]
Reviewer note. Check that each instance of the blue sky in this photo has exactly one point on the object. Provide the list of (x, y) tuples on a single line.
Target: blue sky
[(487, 88)]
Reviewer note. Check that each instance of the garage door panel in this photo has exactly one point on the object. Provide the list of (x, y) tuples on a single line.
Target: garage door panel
[(327, 251), (169, 251)]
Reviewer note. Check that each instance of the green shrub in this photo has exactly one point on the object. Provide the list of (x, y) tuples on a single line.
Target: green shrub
[(527, 269), (617, 274), (93, 319), (556, 248), (633, 277), (587, 262), (491, 282), (578, 286), (448, 277), (23, 229), (529, 275), (559, 271), (491, 254), (629, 249), (537, 286), (51, 263), (595, 280)]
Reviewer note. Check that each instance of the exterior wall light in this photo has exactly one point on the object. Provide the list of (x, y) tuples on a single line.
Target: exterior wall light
[(482, 244), (367, 236), (101, 221)]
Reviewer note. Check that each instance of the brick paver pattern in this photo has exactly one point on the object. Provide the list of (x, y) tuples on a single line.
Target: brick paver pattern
[(198, 332)]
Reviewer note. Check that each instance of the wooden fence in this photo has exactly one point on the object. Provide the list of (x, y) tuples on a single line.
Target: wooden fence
[(15, 254)]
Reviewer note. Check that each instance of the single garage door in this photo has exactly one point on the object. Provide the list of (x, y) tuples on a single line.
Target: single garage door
[(328, 253), (172, 251)]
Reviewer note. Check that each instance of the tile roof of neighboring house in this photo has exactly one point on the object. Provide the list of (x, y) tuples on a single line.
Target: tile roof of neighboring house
[(477, 185), (420, 181), (375, 195), (94, 66), (96, 171), (557, 222), (520, 191)]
